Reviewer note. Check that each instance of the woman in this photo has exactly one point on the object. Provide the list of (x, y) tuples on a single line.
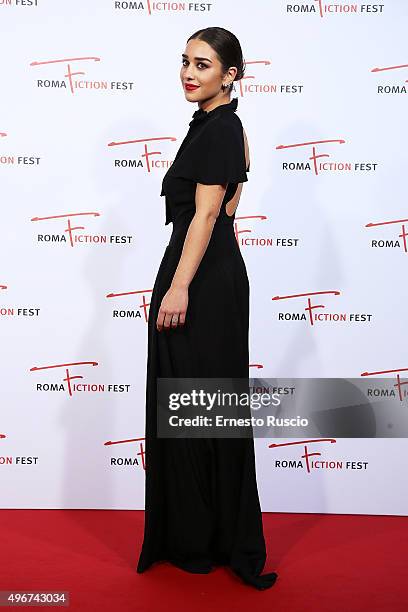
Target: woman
[(201, 501)]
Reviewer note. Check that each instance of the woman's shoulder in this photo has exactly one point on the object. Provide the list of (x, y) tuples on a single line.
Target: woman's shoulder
[(223, 128), (215, 151), (225, 118)]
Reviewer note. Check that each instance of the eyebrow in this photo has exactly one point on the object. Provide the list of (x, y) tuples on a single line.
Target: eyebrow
[(198, 58)]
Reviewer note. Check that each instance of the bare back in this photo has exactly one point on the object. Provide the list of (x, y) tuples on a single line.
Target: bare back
[(232, 205)]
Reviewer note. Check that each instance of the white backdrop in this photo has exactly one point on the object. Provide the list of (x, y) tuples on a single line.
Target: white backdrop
[(82, 232)]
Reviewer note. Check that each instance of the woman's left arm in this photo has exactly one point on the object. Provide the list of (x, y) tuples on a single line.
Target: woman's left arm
[(208, 201)]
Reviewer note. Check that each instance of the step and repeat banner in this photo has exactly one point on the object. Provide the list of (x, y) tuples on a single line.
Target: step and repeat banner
[(92, 114)]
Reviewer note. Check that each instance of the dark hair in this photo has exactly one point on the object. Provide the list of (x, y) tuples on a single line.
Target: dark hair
[(227, 47)]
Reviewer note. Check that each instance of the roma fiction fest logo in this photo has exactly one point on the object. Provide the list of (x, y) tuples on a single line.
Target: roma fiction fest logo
[(71, 232), (74, 74), (247, 227), (397, 390), (396, 240), (254, 82), (141, 311), (312, 312), (270, 389), (330, 9), (12, 159), (65, 377), (150, 155), (18, 4), (122, 461), (150, 8), (395, 86), (309, 458), (17, 312), (20, 460), (312, 159)]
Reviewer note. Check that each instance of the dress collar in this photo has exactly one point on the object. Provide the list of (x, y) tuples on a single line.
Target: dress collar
[(201, 114)]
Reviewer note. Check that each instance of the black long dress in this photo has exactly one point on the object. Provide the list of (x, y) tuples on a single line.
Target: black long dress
[(201, 497)]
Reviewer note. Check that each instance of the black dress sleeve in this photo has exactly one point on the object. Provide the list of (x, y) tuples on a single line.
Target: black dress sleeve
[(216, 155)]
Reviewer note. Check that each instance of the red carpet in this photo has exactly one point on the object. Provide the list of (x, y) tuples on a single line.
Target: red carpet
[(325, 562)]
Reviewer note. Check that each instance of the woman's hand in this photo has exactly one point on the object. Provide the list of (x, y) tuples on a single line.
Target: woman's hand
[(172, 311)]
